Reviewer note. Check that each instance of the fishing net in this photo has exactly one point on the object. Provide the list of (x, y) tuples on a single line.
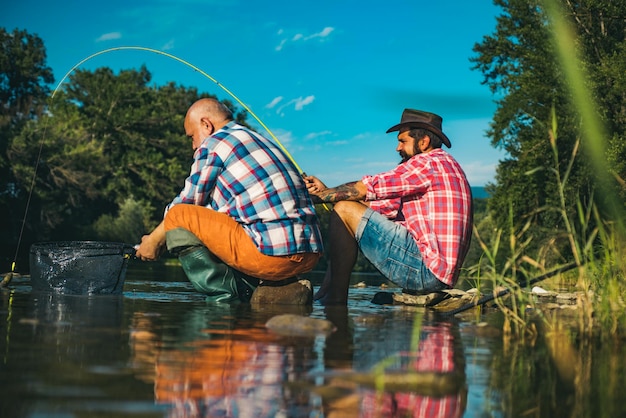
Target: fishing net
[(79, 267)]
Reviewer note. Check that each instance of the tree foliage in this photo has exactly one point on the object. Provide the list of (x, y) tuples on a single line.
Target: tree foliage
[(106, 138), (104, 155), (520, 66), (24, 79), (126, 226)]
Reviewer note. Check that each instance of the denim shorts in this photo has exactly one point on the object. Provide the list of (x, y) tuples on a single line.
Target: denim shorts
[(390, 247)]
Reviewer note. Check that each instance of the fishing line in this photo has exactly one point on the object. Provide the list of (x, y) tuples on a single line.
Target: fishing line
[(158, 52)]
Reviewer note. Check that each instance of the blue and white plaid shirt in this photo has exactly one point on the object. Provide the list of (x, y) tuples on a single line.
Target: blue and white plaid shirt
[(240, 173)]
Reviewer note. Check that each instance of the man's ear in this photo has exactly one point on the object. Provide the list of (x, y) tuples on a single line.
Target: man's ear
[(207, 124), (424, 143)]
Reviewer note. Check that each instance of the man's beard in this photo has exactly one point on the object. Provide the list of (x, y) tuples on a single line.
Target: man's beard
[(406, 157)]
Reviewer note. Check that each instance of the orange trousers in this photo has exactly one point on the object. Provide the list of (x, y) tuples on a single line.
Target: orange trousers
[(229, 242)]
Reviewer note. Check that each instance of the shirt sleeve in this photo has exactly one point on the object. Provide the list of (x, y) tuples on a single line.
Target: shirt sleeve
[(406, 179), (201, 181), (386, 207)]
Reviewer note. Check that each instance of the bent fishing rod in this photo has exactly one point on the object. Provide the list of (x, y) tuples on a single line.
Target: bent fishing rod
[(193, 67), (504, 292), (7, 279)]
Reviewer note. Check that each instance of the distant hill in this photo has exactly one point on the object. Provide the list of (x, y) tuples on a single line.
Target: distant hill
[(479, 192)]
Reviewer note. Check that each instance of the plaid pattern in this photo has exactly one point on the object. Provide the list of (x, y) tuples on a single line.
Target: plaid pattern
[(429, 194), (240, 173), (435, 354)]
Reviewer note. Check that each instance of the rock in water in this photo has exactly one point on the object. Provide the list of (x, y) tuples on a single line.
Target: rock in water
[(299, 326), (284, 292)]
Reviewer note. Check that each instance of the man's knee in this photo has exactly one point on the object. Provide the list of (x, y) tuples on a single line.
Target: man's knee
[(350, 213), (173, 217)]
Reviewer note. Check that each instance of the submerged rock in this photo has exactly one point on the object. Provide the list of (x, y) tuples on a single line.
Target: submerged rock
[(299, 326)]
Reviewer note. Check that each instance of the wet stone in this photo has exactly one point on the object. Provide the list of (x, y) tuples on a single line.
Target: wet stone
[(444, 300), (567, 298), (299, 292), (429, 299)]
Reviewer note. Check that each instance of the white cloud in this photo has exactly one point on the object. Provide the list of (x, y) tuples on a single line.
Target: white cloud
[(479, 173), (109, 36), (314, 135), (323, 34), (168, 46), (284, 137), (274, 102), (280, 46), (298, 104), (337, 143), (300, 37)]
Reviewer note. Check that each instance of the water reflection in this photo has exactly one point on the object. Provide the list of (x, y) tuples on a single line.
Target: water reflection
[(439, 380), (67, 323), (160, 351), (53, 353), (222, 361), (412, 372)]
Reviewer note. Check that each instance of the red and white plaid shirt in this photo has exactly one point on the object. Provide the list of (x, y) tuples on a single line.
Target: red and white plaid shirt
[(429, 195)]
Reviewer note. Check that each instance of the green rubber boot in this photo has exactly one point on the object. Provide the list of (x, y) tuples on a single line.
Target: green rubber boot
[(207, 274)]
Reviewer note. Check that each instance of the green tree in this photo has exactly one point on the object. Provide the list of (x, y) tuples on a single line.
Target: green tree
[(105, 138), (521, 68), (128, 226), (24, 80)]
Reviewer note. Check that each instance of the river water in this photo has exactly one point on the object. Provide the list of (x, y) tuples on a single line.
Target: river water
[(160, 350)]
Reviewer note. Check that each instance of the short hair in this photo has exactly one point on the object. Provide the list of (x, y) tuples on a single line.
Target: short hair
[(217, 108), (224, 110), (419, 133)]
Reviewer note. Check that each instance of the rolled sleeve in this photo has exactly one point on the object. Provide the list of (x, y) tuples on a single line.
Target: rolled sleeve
[(201, 181)]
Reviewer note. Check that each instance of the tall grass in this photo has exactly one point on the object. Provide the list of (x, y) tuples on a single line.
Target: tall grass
[(605, 276), (594, 243), (595, 239)]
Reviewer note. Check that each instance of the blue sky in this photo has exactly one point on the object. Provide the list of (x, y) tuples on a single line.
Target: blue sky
[(327, 77)]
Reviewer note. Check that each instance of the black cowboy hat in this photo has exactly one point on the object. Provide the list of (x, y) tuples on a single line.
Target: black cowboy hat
[(412, 118)]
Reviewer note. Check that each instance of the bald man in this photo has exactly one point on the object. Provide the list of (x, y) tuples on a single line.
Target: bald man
[(243, 215)]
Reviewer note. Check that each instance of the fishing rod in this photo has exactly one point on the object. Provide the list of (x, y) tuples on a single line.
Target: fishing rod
[(7, 279), (193, 67), (521, 283), (199, 70)]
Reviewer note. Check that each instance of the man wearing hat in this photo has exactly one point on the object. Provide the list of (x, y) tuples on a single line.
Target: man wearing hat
[(413, 223)]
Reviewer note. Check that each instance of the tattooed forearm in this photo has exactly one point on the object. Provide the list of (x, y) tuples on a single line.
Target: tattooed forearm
[(347, 191)]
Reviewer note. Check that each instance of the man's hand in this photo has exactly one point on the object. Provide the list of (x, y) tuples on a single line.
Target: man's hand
[(152, 245), (314, 185)]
